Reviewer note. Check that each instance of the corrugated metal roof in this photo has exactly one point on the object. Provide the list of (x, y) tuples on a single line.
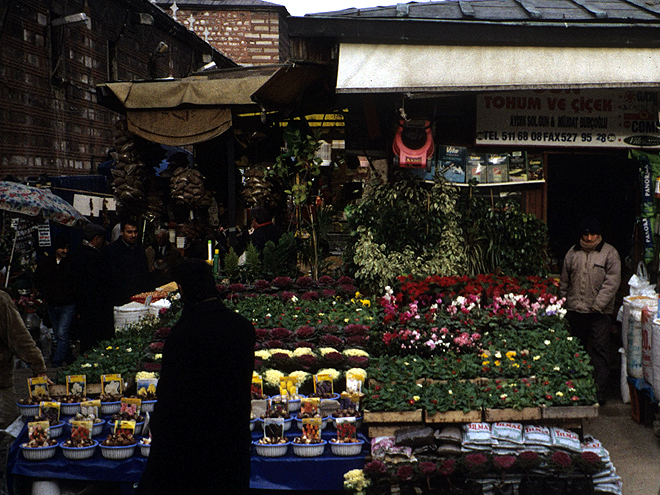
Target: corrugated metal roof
[(511, 10)]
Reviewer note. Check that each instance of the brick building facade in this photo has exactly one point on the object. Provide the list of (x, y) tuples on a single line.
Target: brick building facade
[(50, 64), (250, 32)]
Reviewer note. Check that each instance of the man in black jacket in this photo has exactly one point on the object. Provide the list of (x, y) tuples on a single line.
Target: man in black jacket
[(128, 265), (55, 281), (93, 304), (207, 362)]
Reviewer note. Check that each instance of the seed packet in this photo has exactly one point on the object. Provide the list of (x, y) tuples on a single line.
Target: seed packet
[(131, 406), (38, 432), (278, 404), (49, 411), (511, 432), (451, 161), (38, 387), (76, 385), (273, 427), (310, 406), (311, 429), (257, 387), (146, 387), (288, 386), (124, 427), (323, 385), (476, 168), (346, 430), (518, 166), (353, 383), (81, 431), (88, 407), (112, 384), (534, 167)]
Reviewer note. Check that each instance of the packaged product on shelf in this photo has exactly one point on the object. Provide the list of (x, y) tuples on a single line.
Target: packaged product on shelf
[(476, 168), (497, 167), (534, 167), (451, 162), (518, 166)]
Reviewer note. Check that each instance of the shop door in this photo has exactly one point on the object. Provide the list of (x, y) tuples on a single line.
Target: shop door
[(599, 185)]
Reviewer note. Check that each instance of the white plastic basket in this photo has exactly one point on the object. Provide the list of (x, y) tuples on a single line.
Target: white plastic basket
[(294, 405), (77, 453), (309, 450), (129, 313), (358, 421), (346, 449), (108, 408), (116, 453), (148, 406), (285, 427), (145, 449), (274, 450), (39, 453), (252, 423), (56, 431), (28, 411), (69, 409)]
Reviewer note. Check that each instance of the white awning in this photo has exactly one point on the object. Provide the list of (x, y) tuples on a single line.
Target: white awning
[(380, 68)]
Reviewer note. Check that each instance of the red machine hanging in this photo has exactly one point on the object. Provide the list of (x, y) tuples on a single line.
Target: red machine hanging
[(413, 144)]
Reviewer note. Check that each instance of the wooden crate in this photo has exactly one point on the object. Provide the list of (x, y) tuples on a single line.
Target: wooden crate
[(453, 417), (525, 414), (393, 416), (569, 412), (384, 430)]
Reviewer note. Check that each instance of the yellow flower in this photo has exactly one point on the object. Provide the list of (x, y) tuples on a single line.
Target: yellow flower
[(366, 302), (559, 394), (355, 352), (358, 295), (358, 373), (281, 351), (485, 354), (536, 358), (515, 365), (416, 397), (272, 377), (86, 365), (300, 376), (325, 350), (497, 362), (334, 374), (109, 348), (485, 363), (511, 355), (158, 357), (302, 351), (144, 375), (262, 354), (498, 355)]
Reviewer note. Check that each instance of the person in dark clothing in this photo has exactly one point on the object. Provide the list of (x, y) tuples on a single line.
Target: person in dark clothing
[(264, 228), (55, 281), (128, 265), (161, 257), (208, 359), (93, 289)]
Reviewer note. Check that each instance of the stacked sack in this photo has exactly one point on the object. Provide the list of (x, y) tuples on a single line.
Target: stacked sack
[(187, 188), (130, 171), (257, 189)]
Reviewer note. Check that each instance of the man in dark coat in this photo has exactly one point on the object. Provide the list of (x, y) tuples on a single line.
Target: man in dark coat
[(55, 281), (128, 265), (93, 289), (201, 423), (264, 228)]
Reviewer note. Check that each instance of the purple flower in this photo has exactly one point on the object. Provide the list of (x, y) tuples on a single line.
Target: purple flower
[(162, 332), (306, 362), (330, 341), (350, 289), (236, 287), (281, 333), (261, 284), (305, 332), (304, 282), (286, 295), (274, 344), (334, 359), (262, 333), (282, 281), (328, 293), (326, 280), (475, 460), (345, 281), (310, 295), (405, 473), (375, 467), (356, 330), (304, 343), (357, 341), (427, 468)]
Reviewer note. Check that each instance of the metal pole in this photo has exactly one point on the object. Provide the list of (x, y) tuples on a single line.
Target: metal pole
[(11, 257)]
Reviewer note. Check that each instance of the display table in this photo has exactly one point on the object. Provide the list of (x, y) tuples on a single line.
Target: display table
[(281, 473)]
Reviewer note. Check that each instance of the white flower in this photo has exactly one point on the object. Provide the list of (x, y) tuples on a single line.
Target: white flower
[(86, 365), (262, 354), (128, 349), (556, 368), (294, 299), (326, 350), (355, 352), (546, 342)]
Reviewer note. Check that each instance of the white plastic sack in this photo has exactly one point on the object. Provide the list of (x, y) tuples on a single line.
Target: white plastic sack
[(639, 283), (625, 390), (634, 340), (648, 315)]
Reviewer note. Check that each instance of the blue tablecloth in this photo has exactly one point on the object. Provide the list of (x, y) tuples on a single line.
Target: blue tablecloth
[(282, 473)]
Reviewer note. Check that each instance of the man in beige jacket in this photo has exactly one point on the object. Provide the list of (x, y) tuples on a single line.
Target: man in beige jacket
[(590, 278)]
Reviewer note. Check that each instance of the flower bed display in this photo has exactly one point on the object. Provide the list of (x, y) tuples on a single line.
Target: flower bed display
[(459, 344)]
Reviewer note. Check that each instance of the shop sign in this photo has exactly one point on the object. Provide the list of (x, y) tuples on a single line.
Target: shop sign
[(569, 118)]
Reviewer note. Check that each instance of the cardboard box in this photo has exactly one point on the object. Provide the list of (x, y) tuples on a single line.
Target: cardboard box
[(534, 167), (498, 167), (476, 166), (518, 166), (452, 158)]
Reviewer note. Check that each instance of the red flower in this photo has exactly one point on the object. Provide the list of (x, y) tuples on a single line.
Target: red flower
[(590, 457), (427, 468), (561, 459)]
